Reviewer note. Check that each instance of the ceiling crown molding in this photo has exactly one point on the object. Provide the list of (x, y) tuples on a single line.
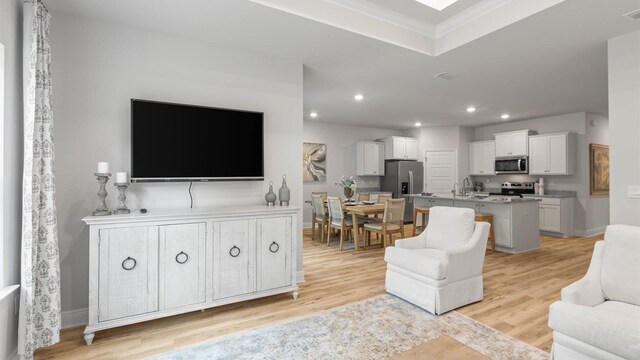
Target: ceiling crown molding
[(384, 24)]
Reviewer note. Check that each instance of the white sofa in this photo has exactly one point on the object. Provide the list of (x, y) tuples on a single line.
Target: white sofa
[(598, 317), (441, 269)]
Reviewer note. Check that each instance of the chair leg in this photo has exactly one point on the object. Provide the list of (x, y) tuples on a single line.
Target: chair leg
[(321, 231), (341, 239), (492, 237), (415, 221), (328, 235)]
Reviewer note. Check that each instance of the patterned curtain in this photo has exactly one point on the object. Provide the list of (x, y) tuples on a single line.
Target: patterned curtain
[(39, 323)]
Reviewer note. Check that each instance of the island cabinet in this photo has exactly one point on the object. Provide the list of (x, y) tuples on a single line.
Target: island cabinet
[(148, 266), (515, 223)]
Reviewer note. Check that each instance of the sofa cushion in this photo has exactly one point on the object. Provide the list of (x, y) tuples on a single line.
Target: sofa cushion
[(620, 274), (612, 326), (449, 228), (430, 263)]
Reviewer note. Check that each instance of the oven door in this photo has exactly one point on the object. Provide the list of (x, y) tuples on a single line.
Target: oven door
[(512, 166)]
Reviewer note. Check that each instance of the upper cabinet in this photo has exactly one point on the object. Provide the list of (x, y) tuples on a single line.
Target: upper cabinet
[(550, 154), (514, 143), (482, 156), (369, 158), (400, 148)]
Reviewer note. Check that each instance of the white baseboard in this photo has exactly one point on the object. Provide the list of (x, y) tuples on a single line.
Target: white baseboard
[(591, 232), (300, 276), (73, 318)]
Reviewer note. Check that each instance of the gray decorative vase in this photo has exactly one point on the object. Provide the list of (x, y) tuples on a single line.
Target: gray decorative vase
[(285, 193), (348, 192), (270, 198)]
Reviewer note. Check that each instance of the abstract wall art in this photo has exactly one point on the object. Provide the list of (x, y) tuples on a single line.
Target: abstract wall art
[(314, 162)]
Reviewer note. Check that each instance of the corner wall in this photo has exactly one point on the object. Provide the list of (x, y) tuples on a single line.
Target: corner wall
[(11, 172), (98, 68), (624, 121), (341, 156)]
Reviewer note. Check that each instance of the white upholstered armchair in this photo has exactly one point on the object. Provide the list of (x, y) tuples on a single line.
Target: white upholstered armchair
[(598, 317), (441, 269)]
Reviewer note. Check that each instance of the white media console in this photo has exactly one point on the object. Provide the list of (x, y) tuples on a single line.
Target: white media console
[(158, 264)]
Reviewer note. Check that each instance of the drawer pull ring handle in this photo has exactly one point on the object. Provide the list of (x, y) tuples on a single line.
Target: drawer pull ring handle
[(276, 249), (129, 258), (235, 253), (186, 257)]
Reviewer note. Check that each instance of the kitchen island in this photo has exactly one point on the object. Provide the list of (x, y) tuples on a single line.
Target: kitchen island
[(515, 220)]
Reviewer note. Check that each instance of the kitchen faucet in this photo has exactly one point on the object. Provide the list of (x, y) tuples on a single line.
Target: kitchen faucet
[(466, 183)]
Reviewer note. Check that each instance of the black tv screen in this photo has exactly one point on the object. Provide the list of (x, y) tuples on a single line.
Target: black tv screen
[(173, 142)]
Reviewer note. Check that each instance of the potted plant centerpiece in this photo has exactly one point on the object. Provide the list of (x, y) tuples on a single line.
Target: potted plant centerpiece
[(348, 185)]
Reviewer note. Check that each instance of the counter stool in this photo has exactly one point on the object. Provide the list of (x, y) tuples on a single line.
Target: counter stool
[(488, 218), (423, 213)]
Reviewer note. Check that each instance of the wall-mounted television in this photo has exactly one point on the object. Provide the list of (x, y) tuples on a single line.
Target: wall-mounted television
[(175, 142)]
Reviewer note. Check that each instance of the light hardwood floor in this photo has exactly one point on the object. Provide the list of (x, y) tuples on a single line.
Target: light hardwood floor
[(518, 292)]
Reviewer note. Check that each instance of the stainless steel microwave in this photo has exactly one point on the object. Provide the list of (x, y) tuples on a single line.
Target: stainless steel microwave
[(512, 165)]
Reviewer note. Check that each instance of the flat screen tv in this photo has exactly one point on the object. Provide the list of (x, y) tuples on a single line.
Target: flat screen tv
[(174, 142)]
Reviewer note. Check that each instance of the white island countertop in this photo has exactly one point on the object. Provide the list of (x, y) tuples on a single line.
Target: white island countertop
[(492, 199)]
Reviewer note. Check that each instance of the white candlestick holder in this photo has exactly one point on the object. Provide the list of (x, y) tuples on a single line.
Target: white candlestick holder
[(102, 208), (122, 208)]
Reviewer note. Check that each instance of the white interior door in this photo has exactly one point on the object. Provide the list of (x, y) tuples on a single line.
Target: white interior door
[(440, 171)]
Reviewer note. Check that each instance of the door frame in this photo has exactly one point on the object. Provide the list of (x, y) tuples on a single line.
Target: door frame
[(441, 150)]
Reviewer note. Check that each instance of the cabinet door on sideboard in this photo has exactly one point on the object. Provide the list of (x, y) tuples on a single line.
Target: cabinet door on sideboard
[(274, 253), (182, 265), (128, 272), (234, 258)]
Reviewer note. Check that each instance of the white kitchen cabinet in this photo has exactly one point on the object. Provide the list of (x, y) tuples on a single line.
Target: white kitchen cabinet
[(551, 154), (482, 155), (400, 148), (128, 274), (556, 215), (514, 143), (182, 265), (148, 266), (370, 158), (234, 258)]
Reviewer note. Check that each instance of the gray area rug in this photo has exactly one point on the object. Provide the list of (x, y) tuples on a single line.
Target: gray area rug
[(376, 328)]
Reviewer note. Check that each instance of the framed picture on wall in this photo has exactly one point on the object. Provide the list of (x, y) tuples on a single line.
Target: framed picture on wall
[(599, 169), (314, 162)]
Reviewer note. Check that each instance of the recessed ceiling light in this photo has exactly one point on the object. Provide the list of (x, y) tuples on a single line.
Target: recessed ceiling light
[(417, 124), (358, 97), (314, 114), (437, 4), (471, 109), (504, 116)]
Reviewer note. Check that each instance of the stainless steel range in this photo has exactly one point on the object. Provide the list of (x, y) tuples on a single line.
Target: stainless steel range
[(516, 188)]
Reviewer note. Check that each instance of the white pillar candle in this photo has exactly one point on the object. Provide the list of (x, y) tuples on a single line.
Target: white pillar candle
[(121, 178), (103, 167)]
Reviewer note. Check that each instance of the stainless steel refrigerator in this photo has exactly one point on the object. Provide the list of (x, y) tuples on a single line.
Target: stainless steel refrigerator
[(403, 178)]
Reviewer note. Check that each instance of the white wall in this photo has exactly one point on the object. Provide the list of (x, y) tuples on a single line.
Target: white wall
[(98, 68), (590, 211), (624, 121), (11, 38), (341, 156), (445, 138)]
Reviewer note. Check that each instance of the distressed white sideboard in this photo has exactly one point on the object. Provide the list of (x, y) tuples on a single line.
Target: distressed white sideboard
[(163, 263)]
